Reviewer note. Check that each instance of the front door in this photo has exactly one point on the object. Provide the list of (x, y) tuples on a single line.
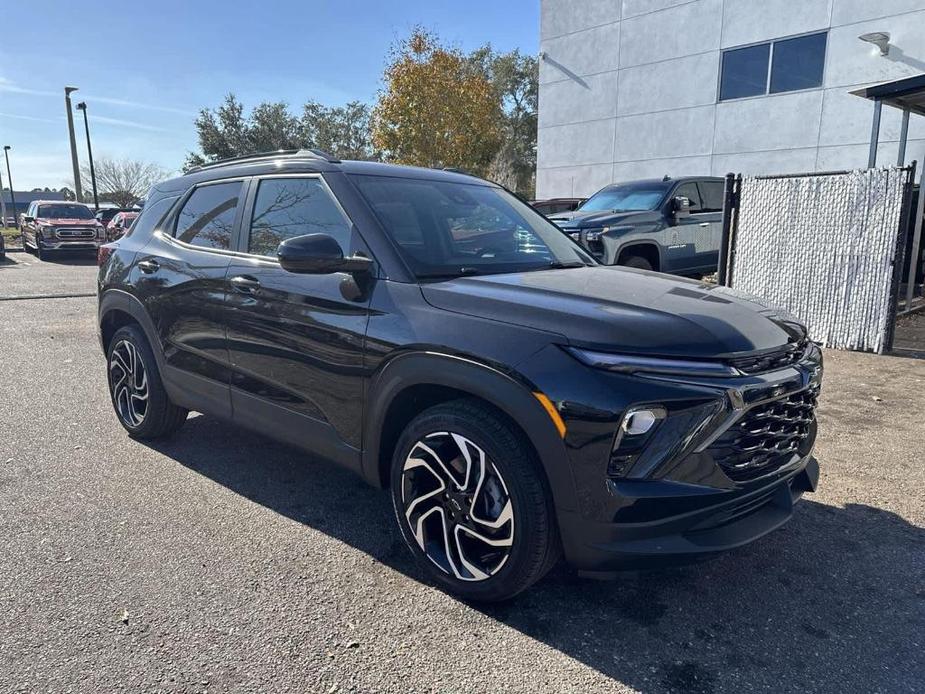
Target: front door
[(296, 341), (180, 277)]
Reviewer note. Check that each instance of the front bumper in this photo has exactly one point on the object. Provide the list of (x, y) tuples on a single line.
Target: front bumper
[(713, 523), (77, 245)]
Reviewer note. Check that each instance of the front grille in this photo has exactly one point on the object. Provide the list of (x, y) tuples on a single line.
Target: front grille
[(791, 354), (75, 233), (766, 437)]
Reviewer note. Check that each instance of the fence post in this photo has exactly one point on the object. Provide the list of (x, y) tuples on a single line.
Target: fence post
[(728, 205)]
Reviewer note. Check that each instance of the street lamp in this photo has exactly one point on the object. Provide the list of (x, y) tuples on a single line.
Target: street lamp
[(9, 178), (82, 106), (70, 132)]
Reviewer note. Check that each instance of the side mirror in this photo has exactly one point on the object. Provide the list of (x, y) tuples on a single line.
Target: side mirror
[(681, 206), (318, 254), (27, 219)]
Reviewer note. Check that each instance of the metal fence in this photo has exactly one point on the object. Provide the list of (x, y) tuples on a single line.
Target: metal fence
[(828, 247)]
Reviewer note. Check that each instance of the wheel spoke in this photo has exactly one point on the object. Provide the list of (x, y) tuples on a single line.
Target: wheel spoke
[(129, 383)]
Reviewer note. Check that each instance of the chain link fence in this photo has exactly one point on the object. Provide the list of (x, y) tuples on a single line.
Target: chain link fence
[(826, 247)]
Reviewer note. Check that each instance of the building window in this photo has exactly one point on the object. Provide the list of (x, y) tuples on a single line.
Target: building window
[(784, 65)]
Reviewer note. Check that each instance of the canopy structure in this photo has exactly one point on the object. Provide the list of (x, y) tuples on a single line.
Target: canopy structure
[(908, 95)]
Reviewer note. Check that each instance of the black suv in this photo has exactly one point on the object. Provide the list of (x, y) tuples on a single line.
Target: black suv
[(439, 337), (670, 224)]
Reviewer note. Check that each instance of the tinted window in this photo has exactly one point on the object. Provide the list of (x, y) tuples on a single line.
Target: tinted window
[(623, 198), (64, 211), (208, 216), (798, 63), (446, 228), (288, 207), (744, 72), (689, 190), (711, 194), (150, 216)]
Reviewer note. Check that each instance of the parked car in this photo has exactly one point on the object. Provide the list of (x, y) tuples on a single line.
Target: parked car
[(60, 226), (432, 333), (668, 225), (556, 205), (104, 216), (119, 224), (2, 247)]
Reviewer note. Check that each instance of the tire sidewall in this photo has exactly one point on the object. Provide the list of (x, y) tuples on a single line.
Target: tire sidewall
[(156, 395), (496, 587)]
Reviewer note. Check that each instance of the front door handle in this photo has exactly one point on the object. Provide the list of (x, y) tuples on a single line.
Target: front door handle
[(704, 224), (149, 267), (245, 284)]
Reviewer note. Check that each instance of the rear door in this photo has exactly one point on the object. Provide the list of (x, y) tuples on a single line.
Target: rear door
[(180, 277), (296, 341)]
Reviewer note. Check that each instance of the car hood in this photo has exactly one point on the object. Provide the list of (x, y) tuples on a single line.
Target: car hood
[(66, 221), (588, 220), (619, 309)]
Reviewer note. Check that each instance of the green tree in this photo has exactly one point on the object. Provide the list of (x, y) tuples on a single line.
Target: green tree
[(343, 131), (435, 109)]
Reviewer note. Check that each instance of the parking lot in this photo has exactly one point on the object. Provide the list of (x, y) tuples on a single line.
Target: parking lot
[(220, 561)]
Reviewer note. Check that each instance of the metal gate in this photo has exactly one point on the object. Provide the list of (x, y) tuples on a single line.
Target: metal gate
[(828, 247)]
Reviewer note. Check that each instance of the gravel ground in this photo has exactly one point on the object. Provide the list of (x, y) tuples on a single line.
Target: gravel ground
[(219, 561)]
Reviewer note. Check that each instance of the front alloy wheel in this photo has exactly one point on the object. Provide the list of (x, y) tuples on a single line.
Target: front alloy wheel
[(472, 502), (457, 506), (129, 383)]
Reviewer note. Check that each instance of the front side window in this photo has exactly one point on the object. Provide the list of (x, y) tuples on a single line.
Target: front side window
[(445, 229), (207, 216), (64, 211), (784, 65), (624, 199), (289, 207), (689, 191)]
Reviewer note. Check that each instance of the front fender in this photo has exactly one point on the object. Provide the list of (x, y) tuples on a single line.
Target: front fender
[(503, 391)]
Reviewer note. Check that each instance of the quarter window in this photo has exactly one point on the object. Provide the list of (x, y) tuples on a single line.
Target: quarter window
[(784, 65), (207, 217), (289, 207), (711, 193), (151, 214)]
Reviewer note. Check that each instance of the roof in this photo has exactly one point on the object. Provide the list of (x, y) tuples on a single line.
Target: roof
[(907, 93), (666, 181), (305, 161), (23, 196)]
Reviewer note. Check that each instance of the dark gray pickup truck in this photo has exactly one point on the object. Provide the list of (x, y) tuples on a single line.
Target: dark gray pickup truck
[(670, 224)]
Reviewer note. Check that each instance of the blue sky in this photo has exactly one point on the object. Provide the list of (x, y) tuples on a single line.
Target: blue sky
[(145, 69)]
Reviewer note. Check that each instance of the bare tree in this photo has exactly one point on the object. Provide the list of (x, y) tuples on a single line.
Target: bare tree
[(123, 181)]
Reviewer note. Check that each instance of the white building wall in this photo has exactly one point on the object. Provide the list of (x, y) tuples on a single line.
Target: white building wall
[(628, 89)]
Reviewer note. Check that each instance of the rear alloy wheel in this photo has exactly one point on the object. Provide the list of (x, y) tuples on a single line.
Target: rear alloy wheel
[(472, 503), (138, 396)]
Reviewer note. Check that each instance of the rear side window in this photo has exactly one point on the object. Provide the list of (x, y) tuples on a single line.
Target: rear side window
[(712, 194), (207, 216), (150, 215), (289, 207)]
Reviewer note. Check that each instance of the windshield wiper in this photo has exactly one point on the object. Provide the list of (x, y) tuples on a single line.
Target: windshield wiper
[(449, 274)]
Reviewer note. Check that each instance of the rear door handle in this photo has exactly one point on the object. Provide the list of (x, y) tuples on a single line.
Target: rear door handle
[(245, 284), (149, 267)]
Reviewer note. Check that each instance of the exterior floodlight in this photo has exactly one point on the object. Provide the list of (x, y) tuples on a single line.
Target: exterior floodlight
[(881, 39)]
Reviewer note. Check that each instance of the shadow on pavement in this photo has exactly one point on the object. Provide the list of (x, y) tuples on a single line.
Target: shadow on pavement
[(834, 601)]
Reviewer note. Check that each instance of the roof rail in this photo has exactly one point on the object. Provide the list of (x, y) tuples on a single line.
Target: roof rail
[(312, 153)]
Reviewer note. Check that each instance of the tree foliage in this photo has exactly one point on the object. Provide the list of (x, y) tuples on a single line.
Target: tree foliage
[(122, 181), (436, 109)]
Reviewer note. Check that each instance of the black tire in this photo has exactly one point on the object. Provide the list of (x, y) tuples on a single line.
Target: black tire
[(160, 417), (39, 253), (25, 246), (534, 540), (636, 261)]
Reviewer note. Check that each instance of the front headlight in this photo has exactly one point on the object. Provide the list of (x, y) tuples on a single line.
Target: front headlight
[(627, 363), (593, 235)]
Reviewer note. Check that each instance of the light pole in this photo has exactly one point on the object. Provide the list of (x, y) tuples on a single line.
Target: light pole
[(9, 178), (2, 205), (70, 132), (82, 106)]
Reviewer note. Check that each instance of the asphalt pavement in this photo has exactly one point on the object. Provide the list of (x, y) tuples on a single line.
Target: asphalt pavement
[(220, 561)]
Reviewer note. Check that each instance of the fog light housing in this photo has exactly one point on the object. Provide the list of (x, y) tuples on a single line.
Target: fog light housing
[(637, 427)]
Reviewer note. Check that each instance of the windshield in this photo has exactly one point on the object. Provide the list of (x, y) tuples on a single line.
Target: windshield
[(64, 211), (448, 229), (624, 199)]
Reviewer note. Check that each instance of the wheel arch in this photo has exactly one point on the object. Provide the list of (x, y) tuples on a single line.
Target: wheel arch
[(411, 382), (118, 308), (649, 250)]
